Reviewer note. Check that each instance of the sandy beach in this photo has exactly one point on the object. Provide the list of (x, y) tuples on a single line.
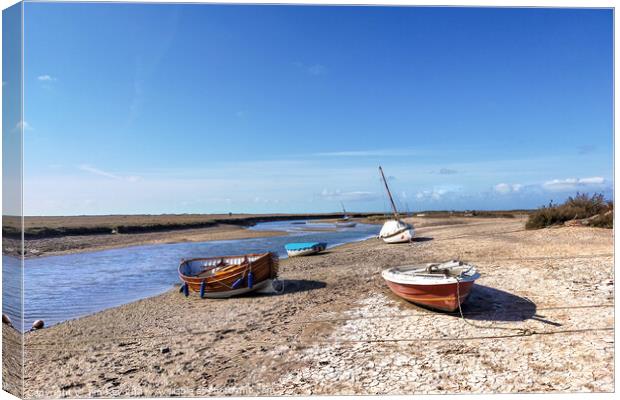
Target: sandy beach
[(540, 320)]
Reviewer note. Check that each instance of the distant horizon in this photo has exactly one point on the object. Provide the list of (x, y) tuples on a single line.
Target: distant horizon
[(211, 108), (301, 213)]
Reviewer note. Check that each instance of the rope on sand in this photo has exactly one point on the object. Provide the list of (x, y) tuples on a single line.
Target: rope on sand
[(521, 331), (515, 310), (44, 347)]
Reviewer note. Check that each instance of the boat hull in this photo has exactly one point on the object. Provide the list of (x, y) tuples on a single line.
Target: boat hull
[(307, 251), (221, 283), (401, 237), (346, 224), (237, 292), (442, 297)]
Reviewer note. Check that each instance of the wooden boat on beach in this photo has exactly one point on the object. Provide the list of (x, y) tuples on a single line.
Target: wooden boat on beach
[(442, 286), (304, 249), (395, 230), (221, 277)]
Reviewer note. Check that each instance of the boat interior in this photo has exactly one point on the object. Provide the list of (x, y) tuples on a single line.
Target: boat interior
[(210, 266), (448, 269)]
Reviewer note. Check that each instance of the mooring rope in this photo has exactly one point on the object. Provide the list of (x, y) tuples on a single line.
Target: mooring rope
[(336, 341), (522, 331)]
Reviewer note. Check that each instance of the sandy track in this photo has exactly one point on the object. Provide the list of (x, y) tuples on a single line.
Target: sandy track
[(338, 329)]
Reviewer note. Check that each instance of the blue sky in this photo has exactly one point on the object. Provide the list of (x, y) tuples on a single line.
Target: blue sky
[(138, 108)]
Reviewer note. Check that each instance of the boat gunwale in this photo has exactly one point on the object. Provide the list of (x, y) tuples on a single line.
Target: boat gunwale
[(260, 258), (389, 274), (260, 255)]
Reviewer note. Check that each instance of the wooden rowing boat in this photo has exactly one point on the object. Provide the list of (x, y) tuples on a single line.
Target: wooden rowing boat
[(439, 286), (221, 277)]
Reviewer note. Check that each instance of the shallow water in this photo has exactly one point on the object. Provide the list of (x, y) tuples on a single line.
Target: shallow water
[(58, 288)]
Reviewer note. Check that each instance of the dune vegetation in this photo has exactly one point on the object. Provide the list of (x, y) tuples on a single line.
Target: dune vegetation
[(582, 209)]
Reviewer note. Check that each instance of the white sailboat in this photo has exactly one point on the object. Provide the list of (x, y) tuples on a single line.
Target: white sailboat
[(395, 230), (345, 222)]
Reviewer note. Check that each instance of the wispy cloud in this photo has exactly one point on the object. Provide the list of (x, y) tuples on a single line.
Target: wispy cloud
[(554, 185), (23, 125), (311, 69), (506, 188), (369, 153), (348, 196), (439, 193), (46, 78), (447, 171), (434, 194), (574, 183), (100, 172), (317, 69), (586, 149)]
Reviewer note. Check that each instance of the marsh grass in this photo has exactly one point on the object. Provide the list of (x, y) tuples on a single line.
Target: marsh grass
[(595, 210)]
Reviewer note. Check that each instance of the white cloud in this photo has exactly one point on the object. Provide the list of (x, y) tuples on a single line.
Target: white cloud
[(505, 188), (348, 196), (574, 183), (595, 180), (23, 125), (435, 194), (100, 172), (46, 78)]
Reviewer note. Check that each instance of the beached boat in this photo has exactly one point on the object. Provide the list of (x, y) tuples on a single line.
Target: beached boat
[(304, 249), (220, 277), (395, 230), (345, 222), (442, 286)]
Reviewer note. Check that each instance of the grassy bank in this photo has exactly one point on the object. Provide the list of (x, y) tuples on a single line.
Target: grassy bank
[(583, 209), (46, 227)]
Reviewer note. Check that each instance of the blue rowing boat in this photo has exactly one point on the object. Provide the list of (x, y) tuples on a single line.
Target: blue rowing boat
[(304, 249)]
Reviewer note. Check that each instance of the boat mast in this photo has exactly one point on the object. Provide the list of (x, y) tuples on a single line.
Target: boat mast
[(389, 194)]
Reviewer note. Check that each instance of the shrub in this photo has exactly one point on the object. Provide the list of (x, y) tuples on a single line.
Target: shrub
[(598, 212)]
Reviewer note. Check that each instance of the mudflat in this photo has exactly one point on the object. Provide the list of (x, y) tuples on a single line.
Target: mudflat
[(62, 235), (80, 243), (540, 319)]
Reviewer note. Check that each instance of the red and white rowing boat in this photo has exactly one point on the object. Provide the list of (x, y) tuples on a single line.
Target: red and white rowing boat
[(442, 286)]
